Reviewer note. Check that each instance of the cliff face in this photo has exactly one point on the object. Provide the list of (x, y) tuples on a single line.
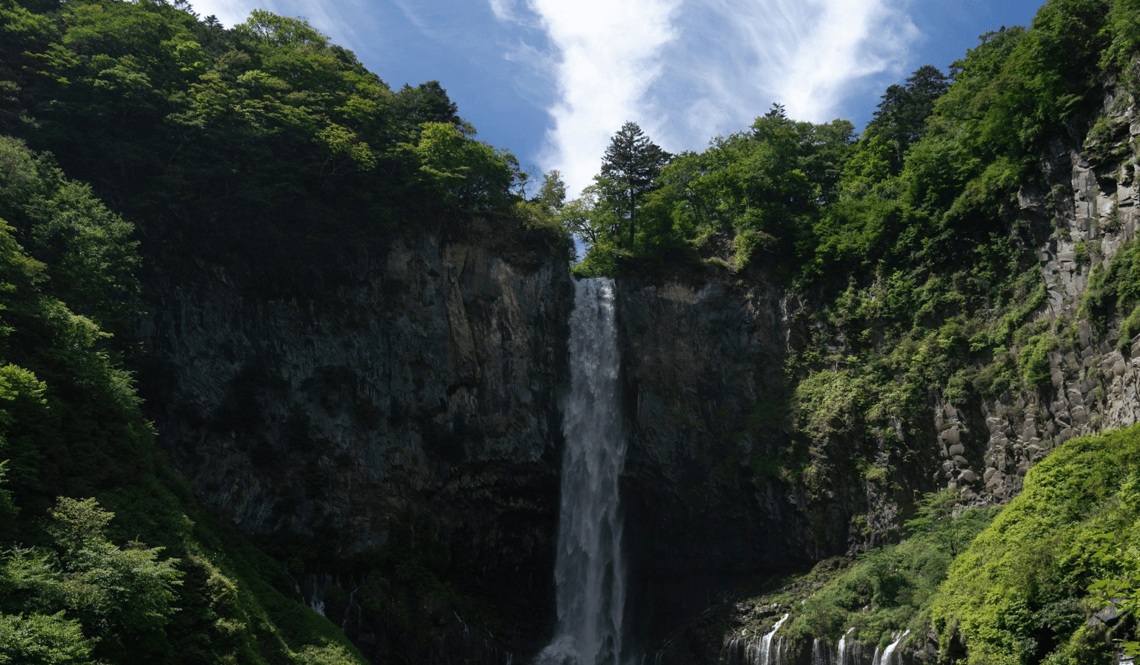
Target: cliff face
[(1086, 212), (416, 390), (703, 370), (1093, 383), (406, 407)]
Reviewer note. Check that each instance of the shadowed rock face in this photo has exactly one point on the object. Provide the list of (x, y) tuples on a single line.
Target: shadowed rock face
[(411, 389), (703, 393)]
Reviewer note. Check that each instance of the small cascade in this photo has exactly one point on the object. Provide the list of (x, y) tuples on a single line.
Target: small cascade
[(876, 659), (351, 604), (890, 651), (820, 652), (840, 657), (752, 649), (313, 585), (766, 646)]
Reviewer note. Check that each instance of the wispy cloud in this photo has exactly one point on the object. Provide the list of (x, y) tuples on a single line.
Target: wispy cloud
[(606, 56), (339, 20), (806, 54), (687, 71)]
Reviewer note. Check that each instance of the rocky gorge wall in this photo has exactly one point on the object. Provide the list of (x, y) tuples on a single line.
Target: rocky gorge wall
[(1093, 383), (404, 414), (406, 403), (703, 367), (984, 446)]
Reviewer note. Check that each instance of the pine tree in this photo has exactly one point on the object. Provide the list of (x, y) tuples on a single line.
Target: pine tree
[(633, 163), (901, 115)]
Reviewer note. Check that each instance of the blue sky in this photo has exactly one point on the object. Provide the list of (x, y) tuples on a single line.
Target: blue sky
[(552, 80)]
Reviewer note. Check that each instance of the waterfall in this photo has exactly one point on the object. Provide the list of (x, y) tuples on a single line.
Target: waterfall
[(891, 650), (820, 652), (766, 648), (589, 575), (842, 650)]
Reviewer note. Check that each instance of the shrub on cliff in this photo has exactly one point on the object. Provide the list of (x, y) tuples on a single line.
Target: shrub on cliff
[(1020, 593), (70, 426)]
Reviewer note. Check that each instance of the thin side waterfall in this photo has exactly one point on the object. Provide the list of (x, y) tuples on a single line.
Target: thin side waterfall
[(820, 652), (766, 650), (839, 658), (891, 650), (589, 574)]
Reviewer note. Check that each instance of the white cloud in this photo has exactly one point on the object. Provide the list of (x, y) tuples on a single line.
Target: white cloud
[(608, 55), (687, 70), (339, 21), (230, 13), (734, 59), (504, 10)]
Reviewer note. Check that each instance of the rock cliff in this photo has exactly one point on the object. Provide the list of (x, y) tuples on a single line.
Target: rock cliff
[(415, 390), (400, 412), (1084, 213)]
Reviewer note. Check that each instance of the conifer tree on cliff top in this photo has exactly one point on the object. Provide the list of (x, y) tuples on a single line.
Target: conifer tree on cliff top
[(632, 162)]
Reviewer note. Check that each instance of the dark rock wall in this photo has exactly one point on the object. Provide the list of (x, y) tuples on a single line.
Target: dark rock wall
[(413, 391), (697, 360)]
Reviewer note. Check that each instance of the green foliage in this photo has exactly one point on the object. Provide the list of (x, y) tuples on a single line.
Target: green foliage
[(891, 589), (267, 135), (901, 116), (829, 402), (1122, 589), (39, 639), (1034, 359), (766, 186), (1114, 290), (461, 171), (1020, 591), (553, 192)]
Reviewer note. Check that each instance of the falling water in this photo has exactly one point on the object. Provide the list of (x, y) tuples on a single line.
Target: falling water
[(588, 570), (891, 650), (766, 650), (839, 658), (820, 653)]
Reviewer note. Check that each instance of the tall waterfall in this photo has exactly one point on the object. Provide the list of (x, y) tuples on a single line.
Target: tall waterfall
[(589, 574)]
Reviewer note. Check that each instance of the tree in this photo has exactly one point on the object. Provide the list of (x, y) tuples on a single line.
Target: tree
[(902, 113), (589, 217), (553, 192), (633, 163)]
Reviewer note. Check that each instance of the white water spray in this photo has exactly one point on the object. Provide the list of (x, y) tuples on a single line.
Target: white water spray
[(886, 660), (766, 649), (839, 658), (589, 574)]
